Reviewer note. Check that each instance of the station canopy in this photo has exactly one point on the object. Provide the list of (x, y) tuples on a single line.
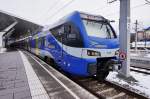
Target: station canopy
[(12, 26)]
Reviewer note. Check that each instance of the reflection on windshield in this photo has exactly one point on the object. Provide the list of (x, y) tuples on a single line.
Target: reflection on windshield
[(98, 29)]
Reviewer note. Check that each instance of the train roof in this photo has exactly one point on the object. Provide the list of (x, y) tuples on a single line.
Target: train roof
[(81, 14)]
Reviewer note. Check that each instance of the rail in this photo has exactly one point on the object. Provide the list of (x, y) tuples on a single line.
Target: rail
[(107, 89)]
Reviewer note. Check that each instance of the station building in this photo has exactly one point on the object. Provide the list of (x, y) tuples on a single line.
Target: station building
[(147, 32)]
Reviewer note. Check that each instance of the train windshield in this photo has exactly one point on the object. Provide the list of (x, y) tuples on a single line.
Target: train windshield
[(99, 29)]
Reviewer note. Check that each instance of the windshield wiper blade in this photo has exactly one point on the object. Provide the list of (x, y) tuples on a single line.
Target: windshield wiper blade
[(103, 22), (109, 34), (101, 26)]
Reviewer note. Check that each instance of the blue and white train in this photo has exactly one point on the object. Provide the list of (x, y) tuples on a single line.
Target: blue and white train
[(80, 44)]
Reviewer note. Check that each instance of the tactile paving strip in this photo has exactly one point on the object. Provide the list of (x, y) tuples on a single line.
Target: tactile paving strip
[(36, 87)]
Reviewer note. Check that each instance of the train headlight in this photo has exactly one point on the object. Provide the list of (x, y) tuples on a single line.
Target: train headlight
[(93, 53), (117, 53)]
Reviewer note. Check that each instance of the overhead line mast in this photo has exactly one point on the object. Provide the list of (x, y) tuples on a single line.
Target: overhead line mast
[(124, 36)]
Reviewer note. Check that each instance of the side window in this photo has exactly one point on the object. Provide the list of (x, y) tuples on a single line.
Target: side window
[(39, 42), (68, 34), (61, 30), (58, 32), (45, 42), (33, 43), (73, 36)]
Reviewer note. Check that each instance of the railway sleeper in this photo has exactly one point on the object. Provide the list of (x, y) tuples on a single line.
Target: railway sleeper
[(106, 90), (118, 96), (111, 93)]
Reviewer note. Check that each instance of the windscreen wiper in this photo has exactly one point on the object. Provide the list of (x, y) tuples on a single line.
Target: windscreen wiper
[(103, 22), (109, 34)]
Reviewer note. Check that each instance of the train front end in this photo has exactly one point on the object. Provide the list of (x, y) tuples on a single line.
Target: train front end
[(102, 48)]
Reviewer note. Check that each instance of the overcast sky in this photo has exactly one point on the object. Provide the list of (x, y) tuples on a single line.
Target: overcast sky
[(46, 12)]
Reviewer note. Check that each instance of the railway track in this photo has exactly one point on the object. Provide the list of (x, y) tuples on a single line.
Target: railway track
[(140, 70), (105, 89)]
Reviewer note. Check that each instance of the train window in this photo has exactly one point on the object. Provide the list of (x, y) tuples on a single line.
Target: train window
[(61, 31), (68, 34), (33, 43), (46, 42), (100, 29), (58, 32), (41, 42), (72, 36)]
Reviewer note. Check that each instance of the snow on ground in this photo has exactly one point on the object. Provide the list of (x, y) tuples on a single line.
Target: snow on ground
[(2, 50), (141, 86), (148, 55), (134, 54)]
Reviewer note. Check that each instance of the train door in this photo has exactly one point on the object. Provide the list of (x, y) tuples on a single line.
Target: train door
[(29, 42), (36, 46), (69, 39), (73, 39), (73, 44), (62, 49), (50, 46), (58, 52)]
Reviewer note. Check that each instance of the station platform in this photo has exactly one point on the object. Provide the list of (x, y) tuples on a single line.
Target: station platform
[(24, 76)]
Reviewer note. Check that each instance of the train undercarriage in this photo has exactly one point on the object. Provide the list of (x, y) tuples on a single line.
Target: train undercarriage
[(105, 65)]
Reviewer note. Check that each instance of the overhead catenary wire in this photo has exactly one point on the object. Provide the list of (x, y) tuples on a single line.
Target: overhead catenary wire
[(112, 1), (113, 13), (51, 7), (59, 10), (101, 8), (137, 6), (66, 5), (148, 2)]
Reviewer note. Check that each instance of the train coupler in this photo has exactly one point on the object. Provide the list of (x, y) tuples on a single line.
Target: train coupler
[(115, 66)]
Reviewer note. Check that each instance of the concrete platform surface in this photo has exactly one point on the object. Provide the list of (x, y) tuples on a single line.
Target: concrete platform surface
[(24, 76), (13, 79)]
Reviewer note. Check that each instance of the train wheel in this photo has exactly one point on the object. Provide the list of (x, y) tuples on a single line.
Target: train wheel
[(103, 70), (101, 76), (50, 62)]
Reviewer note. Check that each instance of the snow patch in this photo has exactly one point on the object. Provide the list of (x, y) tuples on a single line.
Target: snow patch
[(134, 54), (141, 86), (148, 55), (3, 50)]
